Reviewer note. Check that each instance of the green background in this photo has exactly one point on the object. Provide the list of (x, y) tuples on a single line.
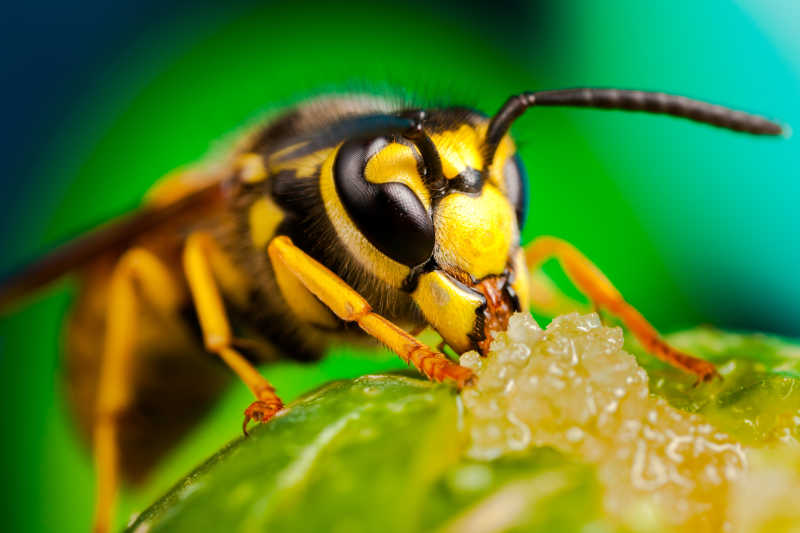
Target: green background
[(693, 224)]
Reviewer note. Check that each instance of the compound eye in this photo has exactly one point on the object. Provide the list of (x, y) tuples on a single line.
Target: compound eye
[(388, 214), (516, 184)]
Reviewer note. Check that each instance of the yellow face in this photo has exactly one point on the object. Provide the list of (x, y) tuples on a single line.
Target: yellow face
[(477, 239), (453, 246)]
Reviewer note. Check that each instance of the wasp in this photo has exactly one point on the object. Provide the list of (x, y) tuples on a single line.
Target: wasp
[(344, 217)]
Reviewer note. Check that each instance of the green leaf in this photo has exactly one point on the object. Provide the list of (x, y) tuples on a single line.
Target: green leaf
[(386, 453), (378, 453), (757, 400)]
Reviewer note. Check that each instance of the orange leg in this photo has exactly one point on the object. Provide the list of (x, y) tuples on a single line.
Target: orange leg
[(292, 265), (592, 282), (138, 276), (205, 266)]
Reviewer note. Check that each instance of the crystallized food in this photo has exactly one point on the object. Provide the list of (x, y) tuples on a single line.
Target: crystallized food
[(573, 387)]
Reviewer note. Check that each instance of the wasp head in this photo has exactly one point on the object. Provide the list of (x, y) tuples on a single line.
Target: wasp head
[(436, 218)]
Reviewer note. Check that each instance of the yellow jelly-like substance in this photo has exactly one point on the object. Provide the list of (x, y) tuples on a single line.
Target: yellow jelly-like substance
[(573, 387)]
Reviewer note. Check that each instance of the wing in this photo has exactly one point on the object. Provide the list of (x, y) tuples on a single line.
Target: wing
[(116, 234)]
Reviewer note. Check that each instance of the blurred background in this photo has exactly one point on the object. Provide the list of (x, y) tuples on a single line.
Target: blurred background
[(694, 225)]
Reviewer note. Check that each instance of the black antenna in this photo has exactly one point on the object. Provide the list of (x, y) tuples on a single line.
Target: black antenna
[(647, 102)]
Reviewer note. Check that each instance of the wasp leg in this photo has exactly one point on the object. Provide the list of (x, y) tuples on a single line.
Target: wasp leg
[(350, 306), (205, 265), (139, 275), (591, 281)]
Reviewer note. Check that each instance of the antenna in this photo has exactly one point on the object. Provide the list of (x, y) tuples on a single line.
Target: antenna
[(642, 101)]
